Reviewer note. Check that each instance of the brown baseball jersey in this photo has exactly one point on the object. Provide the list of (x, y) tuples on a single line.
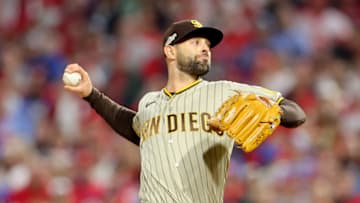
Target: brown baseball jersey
[(182, 159)]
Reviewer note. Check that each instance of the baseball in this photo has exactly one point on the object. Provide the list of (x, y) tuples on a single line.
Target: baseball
[(72, 79)]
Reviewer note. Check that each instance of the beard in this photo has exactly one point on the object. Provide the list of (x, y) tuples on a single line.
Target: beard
[(193, 66)]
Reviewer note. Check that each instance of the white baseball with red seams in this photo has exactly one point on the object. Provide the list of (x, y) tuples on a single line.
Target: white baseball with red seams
[(72, 79)]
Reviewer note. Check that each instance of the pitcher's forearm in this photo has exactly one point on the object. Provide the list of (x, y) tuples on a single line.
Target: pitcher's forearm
[(117, 116)]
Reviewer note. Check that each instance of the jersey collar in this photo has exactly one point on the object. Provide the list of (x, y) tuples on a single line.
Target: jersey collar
[(171, 94)]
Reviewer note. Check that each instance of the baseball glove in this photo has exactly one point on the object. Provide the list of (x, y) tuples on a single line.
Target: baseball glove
[(247, 118)]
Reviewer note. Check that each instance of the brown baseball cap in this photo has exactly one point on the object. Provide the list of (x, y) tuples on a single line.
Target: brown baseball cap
[(183, 30)]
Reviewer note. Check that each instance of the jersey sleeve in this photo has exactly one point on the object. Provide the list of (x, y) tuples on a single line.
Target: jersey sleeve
[(258, 90), (137, 120)]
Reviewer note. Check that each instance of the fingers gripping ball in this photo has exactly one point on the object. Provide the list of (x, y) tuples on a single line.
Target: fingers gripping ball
[(72, 79), (247, 118)]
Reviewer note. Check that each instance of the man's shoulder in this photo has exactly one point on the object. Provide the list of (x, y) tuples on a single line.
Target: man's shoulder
[(217, 82), (148, 97), (231, 87), (227, 85), (223, 83)]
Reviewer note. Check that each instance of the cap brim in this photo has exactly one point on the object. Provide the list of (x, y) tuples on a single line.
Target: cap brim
[(212, 34)]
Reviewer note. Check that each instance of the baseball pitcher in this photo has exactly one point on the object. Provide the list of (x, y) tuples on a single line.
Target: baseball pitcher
[(187, 130)]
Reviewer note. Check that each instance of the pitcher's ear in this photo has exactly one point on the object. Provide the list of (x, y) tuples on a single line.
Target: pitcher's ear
[(169, 51)]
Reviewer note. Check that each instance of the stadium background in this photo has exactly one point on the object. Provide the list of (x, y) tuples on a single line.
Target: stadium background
[(54, 148)]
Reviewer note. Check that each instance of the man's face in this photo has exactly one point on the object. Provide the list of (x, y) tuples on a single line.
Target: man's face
[(194, 56)]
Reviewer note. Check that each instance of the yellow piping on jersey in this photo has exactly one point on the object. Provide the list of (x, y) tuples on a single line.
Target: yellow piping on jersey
[(271, 92), (168, 93), (279, 100)]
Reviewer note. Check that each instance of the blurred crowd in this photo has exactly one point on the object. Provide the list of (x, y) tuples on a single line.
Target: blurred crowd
[(55, 149)]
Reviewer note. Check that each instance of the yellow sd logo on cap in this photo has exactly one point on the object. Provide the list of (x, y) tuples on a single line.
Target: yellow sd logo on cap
[(196, 23)]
